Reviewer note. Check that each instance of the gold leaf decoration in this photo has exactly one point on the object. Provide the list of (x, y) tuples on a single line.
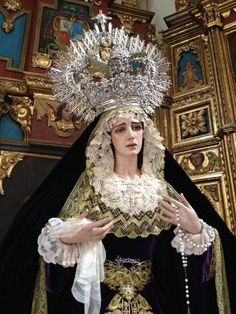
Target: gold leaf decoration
[(41, 60), (8, 26), (12, 5), (8, 160), (194, 123)]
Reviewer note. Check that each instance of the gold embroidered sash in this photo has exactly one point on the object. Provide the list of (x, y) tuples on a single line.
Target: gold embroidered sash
[(128, 282)]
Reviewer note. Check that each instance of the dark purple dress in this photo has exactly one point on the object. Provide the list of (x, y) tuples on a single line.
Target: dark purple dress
[(159, 285)]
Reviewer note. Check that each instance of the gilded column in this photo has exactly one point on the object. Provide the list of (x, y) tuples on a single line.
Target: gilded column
[(225, 95)]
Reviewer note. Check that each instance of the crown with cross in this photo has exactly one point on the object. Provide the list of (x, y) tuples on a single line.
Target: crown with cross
[(106, 68)]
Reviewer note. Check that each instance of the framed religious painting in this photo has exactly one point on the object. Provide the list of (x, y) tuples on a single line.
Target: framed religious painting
[(189, 67), (58, 24)]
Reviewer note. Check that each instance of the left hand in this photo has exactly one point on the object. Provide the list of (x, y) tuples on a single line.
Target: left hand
[(188, 218)]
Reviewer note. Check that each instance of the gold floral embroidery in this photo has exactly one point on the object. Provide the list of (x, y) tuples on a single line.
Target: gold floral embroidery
[(128, 283)]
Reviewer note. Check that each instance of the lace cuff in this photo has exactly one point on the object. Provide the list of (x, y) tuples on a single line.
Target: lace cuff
[(89, 256), (196, 244), (52, 249)]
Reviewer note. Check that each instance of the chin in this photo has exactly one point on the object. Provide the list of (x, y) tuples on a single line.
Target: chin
[(133, 152)]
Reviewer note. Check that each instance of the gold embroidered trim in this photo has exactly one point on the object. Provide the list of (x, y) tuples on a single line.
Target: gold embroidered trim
[(79, 198), (39, 305), (212, 269), (127, 283), (222, 293)]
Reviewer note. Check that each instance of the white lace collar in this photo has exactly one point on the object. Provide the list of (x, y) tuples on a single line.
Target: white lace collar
[(130, 196)]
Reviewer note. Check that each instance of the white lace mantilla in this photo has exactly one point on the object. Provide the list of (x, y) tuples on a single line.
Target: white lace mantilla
[(130, 196), (99, 151)]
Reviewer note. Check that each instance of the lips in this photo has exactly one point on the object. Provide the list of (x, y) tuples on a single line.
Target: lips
[(131, 145)]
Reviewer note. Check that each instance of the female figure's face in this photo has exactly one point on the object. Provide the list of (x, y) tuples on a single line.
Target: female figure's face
[(127, 136)]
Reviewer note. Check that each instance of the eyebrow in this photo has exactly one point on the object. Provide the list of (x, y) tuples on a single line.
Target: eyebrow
[(116, 126), (124, 124)]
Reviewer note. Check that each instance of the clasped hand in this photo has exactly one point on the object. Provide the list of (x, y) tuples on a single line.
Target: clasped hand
[(187, 218), (94, 231)]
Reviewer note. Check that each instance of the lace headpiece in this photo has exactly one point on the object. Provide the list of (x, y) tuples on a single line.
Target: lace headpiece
[(100, 154), (107, 68)]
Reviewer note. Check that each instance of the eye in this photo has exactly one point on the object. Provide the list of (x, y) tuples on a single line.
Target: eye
[(137, 127), (120, 130)]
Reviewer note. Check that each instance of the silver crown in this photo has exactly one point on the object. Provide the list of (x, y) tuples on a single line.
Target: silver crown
[(106, 69)]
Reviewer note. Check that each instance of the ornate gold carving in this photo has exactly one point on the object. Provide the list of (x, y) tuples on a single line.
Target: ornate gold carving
[(157, 40), (152, 33), (63, 123), (226, 130), (199, 162), (12, 5), (226, 13), (211, 191), (206, 93), (128, 22), (20, 109), (38, 82), (182, 4), (129, 15), (205, 39), (12, 86), (8, 160), (129, 3), (4, 108), (211, 15), (41, 60), (8, 26), (128, 283), (194, 123), (98, 3)]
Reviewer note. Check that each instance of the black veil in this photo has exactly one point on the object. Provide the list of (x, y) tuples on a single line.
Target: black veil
[(18, 252)]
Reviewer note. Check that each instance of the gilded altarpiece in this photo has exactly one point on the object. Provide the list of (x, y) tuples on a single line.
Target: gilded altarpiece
[(201, 46)]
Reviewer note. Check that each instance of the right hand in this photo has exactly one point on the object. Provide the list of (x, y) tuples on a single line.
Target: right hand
[(94, 231)]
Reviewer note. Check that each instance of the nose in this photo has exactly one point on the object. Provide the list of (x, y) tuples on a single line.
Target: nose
[(130, 133)]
